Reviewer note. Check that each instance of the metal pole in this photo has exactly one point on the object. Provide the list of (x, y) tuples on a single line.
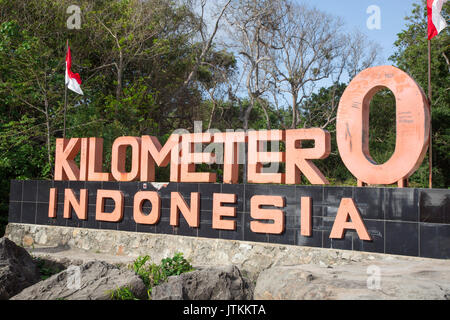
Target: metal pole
[(430, 154), (65, 95)]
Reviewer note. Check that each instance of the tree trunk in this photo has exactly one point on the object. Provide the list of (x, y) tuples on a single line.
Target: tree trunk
[(49, 151), (294, 111), (119, 76)]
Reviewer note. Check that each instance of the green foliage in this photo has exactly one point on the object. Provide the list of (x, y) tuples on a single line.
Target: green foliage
[(412, 56), (153, 274), (122, 294), (46, 269)]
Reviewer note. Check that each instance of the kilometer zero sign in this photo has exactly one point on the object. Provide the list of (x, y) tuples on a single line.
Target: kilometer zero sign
[(412, 127)]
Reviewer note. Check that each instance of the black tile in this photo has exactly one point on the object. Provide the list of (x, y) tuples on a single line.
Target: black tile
[(287, 237), (59, 220), (253, 236), (434, 206), (29, 191), (314, 241), (346, 243), (127, 223), (317, 224), (145, 228), (292, 222), (15, 193), (15, 212), (42, 214), (92, 187), (185, 189), (330, 211), (28, 212), (109, 202), (44, 191), (74, 221), (435, 240), (76, 186), (314, 192), (108, 225), (401, 204), (206, 230), (332, 196), (60, 186), (164, 227), (369, 202), (184, 229), (207, 191), (238, 190), (110, 185), (402, 238), (375, 228), (238, 233), (165, 194), (129, 190), (91, 222), (287, 192)]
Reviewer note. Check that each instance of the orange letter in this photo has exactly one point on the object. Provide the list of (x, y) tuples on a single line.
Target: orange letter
[(96, 161), (80, 208), (65, 166), (160, 156), (298, 160), (52, 203), (114, 216), (256, 158), (230, 161), (84, 154), (118, 158), (220, 211), (154, 215), (191, 158), (305, 216), (413, 126), (191, 215), (347, 210), (277, 227)]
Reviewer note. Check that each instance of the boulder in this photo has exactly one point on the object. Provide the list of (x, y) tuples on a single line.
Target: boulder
[(94, 280), (17, 269), (396, 280), (210, 283)]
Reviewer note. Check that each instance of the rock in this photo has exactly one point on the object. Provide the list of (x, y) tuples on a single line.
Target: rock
[(422, 280), (94, 280), (212, 283), (17, 269)]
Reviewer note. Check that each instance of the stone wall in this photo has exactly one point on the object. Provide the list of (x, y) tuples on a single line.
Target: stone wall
[(250, 257)]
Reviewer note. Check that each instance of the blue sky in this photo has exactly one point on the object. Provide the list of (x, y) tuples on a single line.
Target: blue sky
[(354, 15)]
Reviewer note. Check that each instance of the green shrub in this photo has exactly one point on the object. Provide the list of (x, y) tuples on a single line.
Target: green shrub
[(46, 269), (122, 294), (153, 274)]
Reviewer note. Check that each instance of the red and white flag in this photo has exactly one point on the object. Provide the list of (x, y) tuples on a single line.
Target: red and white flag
[(73, 80), (436, 23)]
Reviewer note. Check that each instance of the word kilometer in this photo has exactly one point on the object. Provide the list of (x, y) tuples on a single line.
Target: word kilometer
[(352, 134)]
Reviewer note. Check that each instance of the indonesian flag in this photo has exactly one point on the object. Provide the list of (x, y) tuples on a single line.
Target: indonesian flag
[(73, 80), (436, 23)]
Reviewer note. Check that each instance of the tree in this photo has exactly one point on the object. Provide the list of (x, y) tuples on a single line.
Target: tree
[(312, 46), (252, 27), (411, 56)]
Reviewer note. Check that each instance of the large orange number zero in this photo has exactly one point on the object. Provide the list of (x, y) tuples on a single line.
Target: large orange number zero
[(413, 126)]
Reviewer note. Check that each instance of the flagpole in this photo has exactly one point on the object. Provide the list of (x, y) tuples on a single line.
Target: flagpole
[(430, 155), (65, 94)]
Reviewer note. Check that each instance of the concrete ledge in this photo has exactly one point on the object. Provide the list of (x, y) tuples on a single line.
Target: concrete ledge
[(251, 257)]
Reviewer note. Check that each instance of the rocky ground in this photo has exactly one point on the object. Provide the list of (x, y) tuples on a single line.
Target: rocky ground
[(97, 275)]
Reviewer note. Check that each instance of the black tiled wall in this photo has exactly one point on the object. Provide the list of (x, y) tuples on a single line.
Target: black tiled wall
[(413, 222)]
